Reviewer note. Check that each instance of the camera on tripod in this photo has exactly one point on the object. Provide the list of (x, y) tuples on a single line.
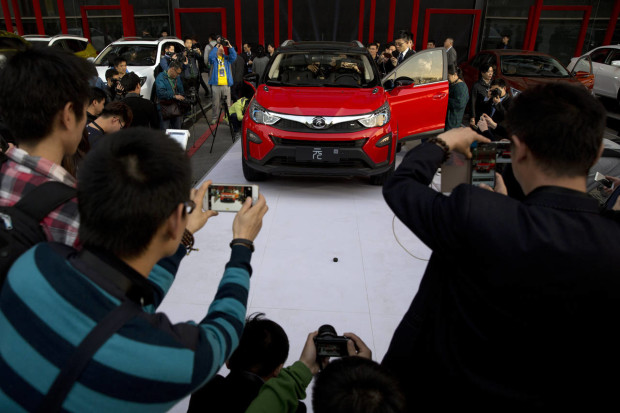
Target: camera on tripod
[(191, 96)]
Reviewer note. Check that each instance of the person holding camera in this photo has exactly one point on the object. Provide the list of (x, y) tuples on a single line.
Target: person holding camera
[(221, 75), (516, 308), (190, 68), (169, 90), (497, 104), (353, 383)]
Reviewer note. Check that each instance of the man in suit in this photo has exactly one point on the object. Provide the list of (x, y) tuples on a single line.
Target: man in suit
[(404, 50), (517, 305), (450, 52), (144, 111)]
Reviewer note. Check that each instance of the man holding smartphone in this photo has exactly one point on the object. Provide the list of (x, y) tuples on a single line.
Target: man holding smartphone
[(516, 307)]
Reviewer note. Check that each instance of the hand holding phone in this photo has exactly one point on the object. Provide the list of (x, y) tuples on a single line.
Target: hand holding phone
[(229, 197)]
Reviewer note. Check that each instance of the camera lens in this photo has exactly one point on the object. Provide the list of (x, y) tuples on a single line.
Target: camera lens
[(327, 330)]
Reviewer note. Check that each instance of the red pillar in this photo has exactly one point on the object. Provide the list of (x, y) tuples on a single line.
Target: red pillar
[(290, 19), (371, 23), (360, 30), (391, 20), (37, 12), (414, 23), (612, 23), (85, 27), (276, 23), (535, 21), (7, 16), (18, 18), (261, 22), (238, 31), (62, 16), (582, 33)]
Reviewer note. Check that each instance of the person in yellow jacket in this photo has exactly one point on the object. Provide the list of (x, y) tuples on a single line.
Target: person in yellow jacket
[(236, 115)]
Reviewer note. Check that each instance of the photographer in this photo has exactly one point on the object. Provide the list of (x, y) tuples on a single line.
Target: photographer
[(515, 306), (497, 104), (191, 71), (221, 75), (354, 383), (169, 89)]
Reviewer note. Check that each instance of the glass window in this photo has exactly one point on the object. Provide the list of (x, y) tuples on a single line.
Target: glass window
[(423, 67), (38, 43), (484, 59), (614, 55), (322, 69), (136, 55), (582, 65), (532, 66), (599, 56), (75, 45)]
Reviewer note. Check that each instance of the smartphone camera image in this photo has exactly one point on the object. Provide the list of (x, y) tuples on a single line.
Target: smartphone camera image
[(483, 164), (229, 197)]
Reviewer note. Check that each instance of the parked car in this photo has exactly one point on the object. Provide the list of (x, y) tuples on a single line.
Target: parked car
[(606, 66), (74, 44), (321, 108), (521, 69), (143, 57)]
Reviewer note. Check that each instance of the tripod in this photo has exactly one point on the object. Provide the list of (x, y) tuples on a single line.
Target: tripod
[(223, 108)]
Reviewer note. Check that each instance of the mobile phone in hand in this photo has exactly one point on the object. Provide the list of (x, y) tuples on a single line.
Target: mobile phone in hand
[(229, 197)]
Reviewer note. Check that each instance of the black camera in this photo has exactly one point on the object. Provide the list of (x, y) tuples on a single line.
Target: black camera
[(191, 96), (330, 344), (496, 93), (223, 41)]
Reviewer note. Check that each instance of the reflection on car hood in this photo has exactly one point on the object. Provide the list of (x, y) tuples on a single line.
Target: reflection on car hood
[(323, 101)]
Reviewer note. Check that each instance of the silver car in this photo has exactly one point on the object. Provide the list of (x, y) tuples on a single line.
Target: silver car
[(606, 67)]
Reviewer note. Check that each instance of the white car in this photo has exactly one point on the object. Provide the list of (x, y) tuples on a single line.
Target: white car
[(606, 67), (142, 55), (74, 44)]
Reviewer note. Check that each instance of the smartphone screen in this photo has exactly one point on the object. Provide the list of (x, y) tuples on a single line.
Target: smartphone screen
[(228, 197), (483, 164)]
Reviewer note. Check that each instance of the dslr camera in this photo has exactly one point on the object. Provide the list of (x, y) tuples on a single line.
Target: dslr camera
[(496, 93), (223, 41), (330, 344), (191, 96)]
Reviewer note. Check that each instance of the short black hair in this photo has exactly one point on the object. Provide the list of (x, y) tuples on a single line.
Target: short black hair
[(119, 109), (562, 124), (110, 73), (403, 34), (498, 82), (36, 85), (262, 348), (118, 60), (455, 70), (127, 187), (175, 65), (186, 38), (484, 67), (96, 95), (130, 82), (356, 385), (431, 41)]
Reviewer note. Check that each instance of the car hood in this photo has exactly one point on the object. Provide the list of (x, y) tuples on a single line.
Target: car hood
[(323, 101), (522, 83)]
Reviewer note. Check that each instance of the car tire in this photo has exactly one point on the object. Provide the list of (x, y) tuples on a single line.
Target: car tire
[(381, 178), (252, 175)]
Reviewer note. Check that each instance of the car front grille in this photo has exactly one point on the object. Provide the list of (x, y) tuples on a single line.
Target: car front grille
[(293, 126), (357, 143)]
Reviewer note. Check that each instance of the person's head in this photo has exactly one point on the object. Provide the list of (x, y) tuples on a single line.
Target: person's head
[(402, 41), (270, 48), (454, 73), (372, 49), (247, 48), (131, 83), (487, 71), (187, 40), (96, 101), (263, 348), (136, 181), (169, 48), (557, 127), (499, 84), (220, 49), (356, 385), (430, 44), (112, 76), (120, 64), (174, 69), (212, 37), (505, 39), (260, 51), (164, 34), (115, 116), (45, 92), (448, 43)]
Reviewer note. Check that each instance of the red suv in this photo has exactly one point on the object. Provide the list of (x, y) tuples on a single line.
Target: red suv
[(321, 108)]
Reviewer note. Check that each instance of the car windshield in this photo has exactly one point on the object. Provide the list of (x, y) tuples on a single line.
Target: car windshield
[(135, 54), (532, 66), (321, 69), (39, 43)]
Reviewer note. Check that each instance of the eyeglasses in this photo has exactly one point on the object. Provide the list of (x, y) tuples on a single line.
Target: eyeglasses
[(189, 206), (398, 44), (120, 122)]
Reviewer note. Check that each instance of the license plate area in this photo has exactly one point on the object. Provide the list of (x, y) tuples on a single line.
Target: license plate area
[(317, 154)]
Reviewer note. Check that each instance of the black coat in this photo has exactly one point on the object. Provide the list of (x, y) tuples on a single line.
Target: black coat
[(518, 305), (144, 112)]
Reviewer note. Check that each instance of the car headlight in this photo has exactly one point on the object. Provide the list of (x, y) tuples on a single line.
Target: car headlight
[(379, 117), (514, 92), (261, 115)]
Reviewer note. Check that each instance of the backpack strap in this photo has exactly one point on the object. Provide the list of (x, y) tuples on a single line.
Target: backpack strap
[(45, 198)]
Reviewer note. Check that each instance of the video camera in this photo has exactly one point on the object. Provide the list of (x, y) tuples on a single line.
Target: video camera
[(330, 344), (191, 52)]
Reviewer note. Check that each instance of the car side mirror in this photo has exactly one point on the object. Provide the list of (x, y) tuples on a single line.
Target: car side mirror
[(404, 81), (388, 84)]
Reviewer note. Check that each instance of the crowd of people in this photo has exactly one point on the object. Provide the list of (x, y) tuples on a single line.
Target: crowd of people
[(514, 310)]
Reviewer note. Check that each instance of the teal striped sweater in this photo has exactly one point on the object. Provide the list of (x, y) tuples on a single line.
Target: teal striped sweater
[(47, 307)]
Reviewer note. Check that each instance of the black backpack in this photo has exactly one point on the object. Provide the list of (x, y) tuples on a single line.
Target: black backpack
[(20, 224)]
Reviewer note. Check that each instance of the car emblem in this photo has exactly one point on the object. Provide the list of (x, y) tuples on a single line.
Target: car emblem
[(318, 123)]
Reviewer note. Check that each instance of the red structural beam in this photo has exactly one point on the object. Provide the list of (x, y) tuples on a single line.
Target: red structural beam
[(414, 22), (261, 22), (371, 23), (290, 19), (474, 33), (178, 12), (528, 28), (360, 29), (238, 23), (129, 23), (534, 26), (84, 12), (587, 12), (62, 16), (18, 18), (7, 16), (276, 23), (612, 23), (37, 12), (391, 20)]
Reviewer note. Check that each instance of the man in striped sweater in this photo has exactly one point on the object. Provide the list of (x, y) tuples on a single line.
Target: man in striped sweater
[(136, 223)]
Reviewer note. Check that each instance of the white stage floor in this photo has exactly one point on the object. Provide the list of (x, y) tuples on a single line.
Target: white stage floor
[(295, 280)]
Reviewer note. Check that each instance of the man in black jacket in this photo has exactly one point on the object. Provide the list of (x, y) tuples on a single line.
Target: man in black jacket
[(517, 305), (144, 112)]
